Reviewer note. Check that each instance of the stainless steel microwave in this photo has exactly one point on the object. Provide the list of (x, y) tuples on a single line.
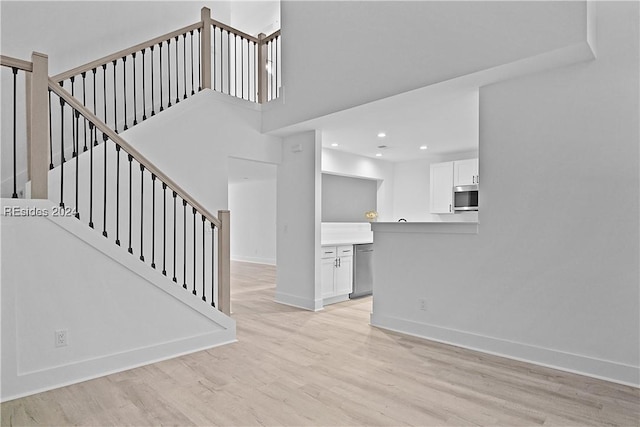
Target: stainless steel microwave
[(465, 198)]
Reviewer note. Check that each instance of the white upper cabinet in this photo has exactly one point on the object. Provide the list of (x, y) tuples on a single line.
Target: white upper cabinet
[(465, 172), (441, 188)]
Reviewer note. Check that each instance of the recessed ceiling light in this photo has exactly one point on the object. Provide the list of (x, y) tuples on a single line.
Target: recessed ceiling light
[(382, 135), (335, 144), (378, 154), (423, 147)]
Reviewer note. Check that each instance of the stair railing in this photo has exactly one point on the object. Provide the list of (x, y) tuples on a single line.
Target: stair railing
[(32, 131), (129, 86), (114, 183)]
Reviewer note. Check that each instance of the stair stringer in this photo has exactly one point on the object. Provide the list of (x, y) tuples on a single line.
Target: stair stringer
[(118, 316)]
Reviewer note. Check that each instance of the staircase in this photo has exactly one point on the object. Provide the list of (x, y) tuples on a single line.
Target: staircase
[(97, 200)]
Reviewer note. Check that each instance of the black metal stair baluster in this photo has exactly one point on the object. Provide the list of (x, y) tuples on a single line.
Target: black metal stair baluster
[(135, 98), (164, 228), (271, 69), (275, 64), (84, 102), (124, 90), (153, 220), (105, 138), (50, 134), (141, 212), (194, 250), (130, 157), (15, 112), (213, 71), (62, 160), (104, 90), (204, 298), (213, 264), (77, 133), (184, 64), (153, 102), (91, 131), (199, 60), (144, 87), (93, 137), (184, 243), (241, 67), (193, 92), (177, 74), (235, 65), (74, 142), (248, 72), (174, 237), (115, 98), (117, 195), (161, 79), (169, 72), (94, 90), (228, 63)]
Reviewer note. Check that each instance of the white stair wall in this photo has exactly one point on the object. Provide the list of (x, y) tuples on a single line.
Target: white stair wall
[(57, 274)]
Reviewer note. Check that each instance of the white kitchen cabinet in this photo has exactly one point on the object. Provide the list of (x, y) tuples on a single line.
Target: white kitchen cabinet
[(441, 188), (336, 273), (465, 172)]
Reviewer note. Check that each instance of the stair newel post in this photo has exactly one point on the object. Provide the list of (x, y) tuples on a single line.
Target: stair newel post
[(38, 126), (205, 50), (224, 263), (262, 69)]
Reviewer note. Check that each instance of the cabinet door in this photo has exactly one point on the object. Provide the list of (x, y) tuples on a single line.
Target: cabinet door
[(465, 172), (344, 275), (441, 188), (327, 267)]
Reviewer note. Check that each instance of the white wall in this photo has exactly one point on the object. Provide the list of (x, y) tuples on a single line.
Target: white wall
[(253, 229), (192, 141), (298, 232), (57, 274), (552, 274), (347, 199), (411, 190), (346, 164), (378, 49)]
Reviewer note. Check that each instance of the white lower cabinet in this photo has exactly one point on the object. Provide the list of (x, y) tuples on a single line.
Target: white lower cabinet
[(336, 273)]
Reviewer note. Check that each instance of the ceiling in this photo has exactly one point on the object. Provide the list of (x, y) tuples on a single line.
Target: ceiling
[(444, 123)]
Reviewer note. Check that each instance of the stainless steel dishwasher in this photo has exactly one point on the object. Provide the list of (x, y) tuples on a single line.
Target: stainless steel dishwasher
[(362, 270)]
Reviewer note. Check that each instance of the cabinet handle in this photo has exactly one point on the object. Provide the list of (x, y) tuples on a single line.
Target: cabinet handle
[(449, 208), (339, 262), (477, 179), (473, 180)]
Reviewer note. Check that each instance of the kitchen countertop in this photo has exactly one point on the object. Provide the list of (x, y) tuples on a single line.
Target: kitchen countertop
[(345, 233)]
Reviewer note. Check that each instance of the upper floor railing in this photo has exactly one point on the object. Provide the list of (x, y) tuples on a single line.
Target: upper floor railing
[(129, 86)]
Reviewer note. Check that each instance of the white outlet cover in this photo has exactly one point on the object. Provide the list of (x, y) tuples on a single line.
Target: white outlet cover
[(60, 338)]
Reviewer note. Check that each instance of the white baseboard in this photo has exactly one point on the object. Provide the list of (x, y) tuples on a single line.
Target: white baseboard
[(61, 376), (254, 260), (298, 302), (569, 362)]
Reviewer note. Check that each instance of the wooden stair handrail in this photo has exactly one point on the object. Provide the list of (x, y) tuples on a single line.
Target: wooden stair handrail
[(7, 61), (125, 52), (270, 37), (152, 168)]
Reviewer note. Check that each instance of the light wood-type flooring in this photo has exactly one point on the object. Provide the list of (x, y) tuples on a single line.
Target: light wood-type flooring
[(330, 368)]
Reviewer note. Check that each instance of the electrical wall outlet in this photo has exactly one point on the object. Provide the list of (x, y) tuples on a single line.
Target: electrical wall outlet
[(61, 338), (423, 304)]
